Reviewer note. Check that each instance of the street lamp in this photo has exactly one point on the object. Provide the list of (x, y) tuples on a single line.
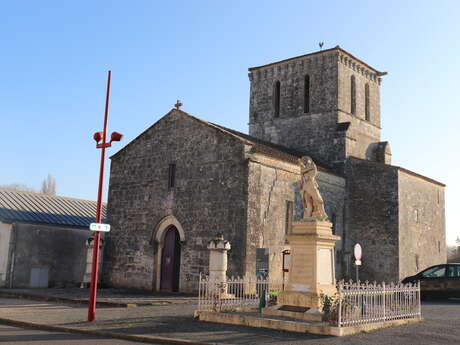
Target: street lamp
[(100, 138)]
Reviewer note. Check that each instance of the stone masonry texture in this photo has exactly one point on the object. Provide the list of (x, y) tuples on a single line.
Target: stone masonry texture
[(210, 197), (372, 219), (271, 185), (242, 186), (317, 131), (422, 239)]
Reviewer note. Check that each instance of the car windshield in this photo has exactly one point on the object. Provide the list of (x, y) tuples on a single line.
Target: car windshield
[(435, 272)]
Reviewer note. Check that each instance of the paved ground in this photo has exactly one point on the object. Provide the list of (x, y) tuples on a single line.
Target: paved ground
[(442, 325), (118, 297), (29, 336)]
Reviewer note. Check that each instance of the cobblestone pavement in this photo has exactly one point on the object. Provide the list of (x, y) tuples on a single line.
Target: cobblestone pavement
[(442, 324)]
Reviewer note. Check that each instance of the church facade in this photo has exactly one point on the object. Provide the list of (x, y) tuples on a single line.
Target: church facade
[(183, 180)]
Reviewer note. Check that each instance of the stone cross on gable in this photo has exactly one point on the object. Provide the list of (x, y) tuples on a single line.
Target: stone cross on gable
[(178, 104)]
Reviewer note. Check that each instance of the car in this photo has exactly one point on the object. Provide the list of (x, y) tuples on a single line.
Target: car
[(439, 281), (262, 274)]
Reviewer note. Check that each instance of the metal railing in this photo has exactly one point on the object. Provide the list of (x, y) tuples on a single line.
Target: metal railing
[(353, 304), (358, 303), (236, 293)]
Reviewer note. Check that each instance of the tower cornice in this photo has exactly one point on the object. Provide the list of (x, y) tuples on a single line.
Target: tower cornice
[(342, 55)]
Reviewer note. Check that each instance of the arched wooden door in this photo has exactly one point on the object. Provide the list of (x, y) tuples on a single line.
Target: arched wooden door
[(170, 261)]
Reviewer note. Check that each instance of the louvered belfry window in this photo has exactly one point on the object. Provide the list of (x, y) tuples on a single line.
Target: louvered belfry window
[(276, 98), (306, 95), (367, 111), (353, 95)]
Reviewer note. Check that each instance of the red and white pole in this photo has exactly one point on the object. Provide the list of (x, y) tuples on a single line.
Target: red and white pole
[(95, 267)]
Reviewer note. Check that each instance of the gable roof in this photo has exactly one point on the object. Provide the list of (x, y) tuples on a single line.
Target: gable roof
[(262, 146), (270, 149), (27, 207)]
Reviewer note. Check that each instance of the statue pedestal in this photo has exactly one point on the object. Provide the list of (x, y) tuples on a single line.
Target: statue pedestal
[(312, 265)]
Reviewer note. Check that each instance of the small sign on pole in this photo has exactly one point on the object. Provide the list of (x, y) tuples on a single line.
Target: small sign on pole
[(358, 256), (99, 227)]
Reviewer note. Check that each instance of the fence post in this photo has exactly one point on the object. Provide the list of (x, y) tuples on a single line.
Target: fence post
[(384, 301), (419, 300), (199, 293), (339, 321)]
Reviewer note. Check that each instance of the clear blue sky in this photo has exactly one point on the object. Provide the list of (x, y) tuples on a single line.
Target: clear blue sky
[(55, 56)]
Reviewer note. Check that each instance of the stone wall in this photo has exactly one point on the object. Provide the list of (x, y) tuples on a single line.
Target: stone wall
[(270, 187), (372, 219), (313, 131), (317, 132), (271, 184), (210, 196), (363, 135), (345, 71), (422, 237)]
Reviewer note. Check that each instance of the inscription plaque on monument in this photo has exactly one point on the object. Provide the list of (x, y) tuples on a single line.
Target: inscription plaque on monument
[(301, 261), (325, 266)]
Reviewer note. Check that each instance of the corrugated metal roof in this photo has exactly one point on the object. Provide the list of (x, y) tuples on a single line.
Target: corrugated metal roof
[(17, 206)]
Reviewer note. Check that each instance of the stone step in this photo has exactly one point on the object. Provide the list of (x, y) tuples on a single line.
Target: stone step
[(295, 313), (281, 323), (284, 323)]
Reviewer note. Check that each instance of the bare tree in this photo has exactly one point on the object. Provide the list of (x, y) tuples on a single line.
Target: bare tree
[(453, 252), (49, 185), (19, 187)]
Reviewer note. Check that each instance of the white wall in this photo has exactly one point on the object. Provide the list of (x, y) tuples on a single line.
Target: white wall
[(5, 233)]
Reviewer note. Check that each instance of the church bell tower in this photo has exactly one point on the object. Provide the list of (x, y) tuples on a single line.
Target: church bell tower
[(325, 104)]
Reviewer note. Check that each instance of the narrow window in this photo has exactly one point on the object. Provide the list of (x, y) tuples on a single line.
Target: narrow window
[(306, 101), (276, 98), (367, 110), (334, 223), (172, 176), (353, 95), (289, 215)]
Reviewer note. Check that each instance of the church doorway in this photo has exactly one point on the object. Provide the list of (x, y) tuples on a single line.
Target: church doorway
[(170, 261)]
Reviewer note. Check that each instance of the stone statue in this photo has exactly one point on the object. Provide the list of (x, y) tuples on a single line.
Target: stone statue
[(313, 204)]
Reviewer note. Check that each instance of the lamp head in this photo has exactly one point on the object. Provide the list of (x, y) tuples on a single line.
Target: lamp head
[(97, 136), (115, 136)]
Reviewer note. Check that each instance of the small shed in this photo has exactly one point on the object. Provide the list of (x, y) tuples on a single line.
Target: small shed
[(43, 239)]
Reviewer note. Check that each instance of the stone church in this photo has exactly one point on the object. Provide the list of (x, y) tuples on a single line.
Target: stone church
[(183, 180)]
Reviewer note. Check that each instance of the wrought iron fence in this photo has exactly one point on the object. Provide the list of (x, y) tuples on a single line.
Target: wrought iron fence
[(353, 304), (358, 303), (236, 293)]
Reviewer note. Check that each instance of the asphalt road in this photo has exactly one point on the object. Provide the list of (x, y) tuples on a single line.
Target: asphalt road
[(23, 336), (440, 327)]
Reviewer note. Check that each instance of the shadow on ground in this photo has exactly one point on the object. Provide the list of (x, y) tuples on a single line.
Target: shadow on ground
[(189, 328)]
